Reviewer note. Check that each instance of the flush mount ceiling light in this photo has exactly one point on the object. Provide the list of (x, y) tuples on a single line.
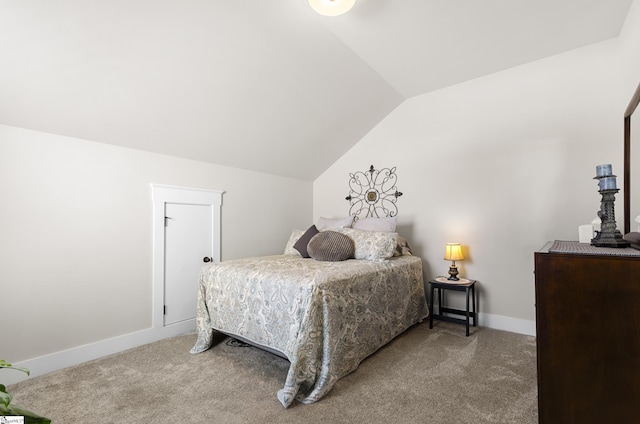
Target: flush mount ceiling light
[(331, 7)]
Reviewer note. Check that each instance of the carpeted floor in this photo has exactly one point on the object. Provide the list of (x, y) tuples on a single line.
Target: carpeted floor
[(423, 376)]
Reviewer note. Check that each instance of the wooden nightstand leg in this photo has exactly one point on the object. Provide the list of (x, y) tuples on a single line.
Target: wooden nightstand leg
[(473, 305), (467, 290), (431, 306)]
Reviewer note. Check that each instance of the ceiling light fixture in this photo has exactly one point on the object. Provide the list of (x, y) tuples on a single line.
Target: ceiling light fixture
[(331, 7)]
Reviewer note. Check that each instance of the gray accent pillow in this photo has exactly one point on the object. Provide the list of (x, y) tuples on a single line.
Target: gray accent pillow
[(403, 247), (331, 246), (293, 238), (634, 239), (303, 241)]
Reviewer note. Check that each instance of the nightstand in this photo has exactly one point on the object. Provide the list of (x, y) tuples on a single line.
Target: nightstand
[(463, 285)]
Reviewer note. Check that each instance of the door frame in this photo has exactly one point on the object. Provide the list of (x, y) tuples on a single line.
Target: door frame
[(162, 194)]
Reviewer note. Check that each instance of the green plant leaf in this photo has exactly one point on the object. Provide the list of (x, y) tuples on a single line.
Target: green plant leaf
[(5, 398), (5, 364), (11, 410)]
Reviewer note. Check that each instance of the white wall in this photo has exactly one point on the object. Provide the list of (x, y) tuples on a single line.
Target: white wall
[(76, 234), (630, 64), (501, 164), (629, 45)]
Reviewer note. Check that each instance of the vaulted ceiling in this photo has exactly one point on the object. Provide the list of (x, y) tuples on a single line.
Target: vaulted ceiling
[(264, 85)]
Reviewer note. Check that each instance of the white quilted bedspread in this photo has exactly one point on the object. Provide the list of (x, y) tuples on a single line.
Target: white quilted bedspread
[(326, 317)]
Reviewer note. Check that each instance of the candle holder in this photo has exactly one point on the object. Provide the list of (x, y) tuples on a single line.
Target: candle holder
[(609, 235)]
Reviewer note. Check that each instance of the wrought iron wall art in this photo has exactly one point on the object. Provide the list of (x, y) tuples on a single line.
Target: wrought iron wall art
[(373, 193)]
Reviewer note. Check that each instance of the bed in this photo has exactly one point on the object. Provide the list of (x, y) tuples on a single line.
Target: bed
[(325, 317), (342, 289)]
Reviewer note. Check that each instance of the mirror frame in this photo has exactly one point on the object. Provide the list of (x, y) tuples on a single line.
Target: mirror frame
[(627, 158)]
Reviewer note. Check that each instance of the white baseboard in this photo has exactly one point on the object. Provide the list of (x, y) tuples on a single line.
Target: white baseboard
[(77, 355), (514, 325), (67, 358)]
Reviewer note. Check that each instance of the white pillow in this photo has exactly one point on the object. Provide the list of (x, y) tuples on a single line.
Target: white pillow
[(371, 245), (332, 223), (376, 224), (293, 238)]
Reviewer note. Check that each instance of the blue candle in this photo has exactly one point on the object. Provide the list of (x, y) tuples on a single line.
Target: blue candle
[(607, 183), (603, 170)]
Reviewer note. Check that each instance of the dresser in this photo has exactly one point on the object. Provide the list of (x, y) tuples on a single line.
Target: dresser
[(588, 334)]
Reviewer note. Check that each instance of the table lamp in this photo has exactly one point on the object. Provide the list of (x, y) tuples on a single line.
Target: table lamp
[(453, 253)]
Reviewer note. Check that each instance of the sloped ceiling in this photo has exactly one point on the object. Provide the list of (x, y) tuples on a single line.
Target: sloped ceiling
[(264, 85)]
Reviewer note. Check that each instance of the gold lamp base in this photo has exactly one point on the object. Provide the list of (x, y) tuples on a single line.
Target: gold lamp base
[(453, 272)]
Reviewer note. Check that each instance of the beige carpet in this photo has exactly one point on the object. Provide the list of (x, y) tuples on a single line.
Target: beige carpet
[(423, 376)]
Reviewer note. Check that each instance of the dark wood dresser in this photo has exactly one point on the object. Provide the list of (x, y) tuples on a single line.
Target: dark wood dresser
[(588, 334)]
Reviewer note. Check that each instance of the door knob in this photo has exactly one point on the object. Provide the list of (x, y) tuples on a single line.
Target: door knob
[(207, 259)]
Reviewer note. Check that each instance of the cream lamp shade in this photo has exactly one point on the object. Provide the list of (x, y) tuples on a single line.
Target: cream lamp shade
[(453, 253), (331, 7)]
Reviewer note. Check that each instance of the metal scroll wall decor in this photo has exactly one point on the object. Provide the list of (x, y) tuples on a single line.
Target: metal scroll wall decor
[(373, 193)]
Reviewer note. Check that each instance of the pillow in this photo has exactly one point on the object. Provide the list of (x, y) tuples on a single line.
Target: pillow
[(634, 239), (371, 245), (293, 238), (403, 247), (376, 224), (331, 223), (301, 244), (331, 246)]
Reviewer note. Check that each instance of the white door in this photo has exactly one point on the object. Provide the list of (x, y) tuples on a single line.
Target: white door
[(188, 247), (186, 229)]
